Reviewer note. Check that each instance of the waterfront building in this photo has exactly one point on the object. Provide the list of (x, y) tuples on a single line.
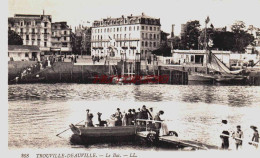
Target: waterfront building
[(82, 39), (198, 57), (60, 38), (23, 52), (127, 34), (35, 30)]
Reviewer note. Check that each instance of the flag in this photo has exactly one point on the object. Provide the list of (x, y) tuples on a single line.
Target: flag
[(207, 20)]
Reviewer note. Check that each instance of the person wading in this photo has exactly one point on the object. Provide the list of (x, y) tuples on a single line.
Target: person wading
[(238, 134), (225, 135)]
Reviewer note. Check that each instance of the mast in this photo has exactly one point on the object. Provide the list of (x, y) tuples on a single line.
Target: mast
[(206, 44)]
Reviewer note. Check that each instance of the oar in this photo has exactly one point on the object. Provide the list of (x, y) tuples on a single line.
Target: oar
[(68, 128)]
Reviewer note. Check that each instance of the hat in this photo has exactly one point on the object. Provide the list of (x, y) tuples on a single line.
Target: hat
[(224, 121), (87, 110), (238, 126), (117, 109), (144, 106), (253, 127), (161, 112), (129, 110), (133, 110)]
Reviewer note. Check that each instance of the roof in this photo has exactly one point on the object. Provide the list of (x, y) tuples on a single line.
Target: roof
[(23, 48), (199, 51)]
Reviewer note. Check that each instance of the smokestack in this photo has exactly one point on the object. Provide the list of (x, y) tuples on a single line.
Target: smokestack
[(43, 12), (172, 33)]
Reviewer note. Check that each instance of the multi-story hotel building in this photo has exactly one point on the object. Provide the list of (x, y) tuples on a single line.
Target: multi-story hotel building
[(128, 35), (38, 30), (60, 38), (33, 29)]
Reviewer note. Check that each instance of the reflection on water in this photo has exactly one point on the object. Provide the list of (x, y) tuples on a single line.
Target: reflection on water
[(37, 112)]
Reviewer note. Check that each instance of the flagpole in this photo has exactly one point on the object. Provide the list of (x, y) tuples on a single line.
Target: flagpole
[(205, 44)]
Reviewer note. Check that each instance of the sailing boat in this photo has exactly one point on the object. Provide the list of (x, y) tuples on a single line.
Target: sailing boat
[(216, 70)]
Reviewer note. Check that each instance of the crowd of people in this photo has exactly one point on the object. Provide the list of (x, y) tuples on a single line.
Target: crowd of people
[(131, 117), (238, 136)]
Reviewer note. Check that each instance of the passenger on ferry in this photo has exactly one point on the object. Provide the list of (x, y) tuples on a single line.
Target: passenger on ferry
[(152, 113), (158, 124), (124, 119), (238, 135), (118, 116), (130, 117), (89, 122), (145, 112)]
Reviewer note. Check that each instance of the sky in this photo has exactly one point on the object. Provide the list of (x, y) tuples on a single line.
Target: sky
[(221, 12)]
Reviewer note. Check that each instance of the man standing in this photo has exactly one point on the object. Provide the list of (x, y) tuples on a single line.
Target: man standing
[(89, 117), (118, 116), (255, 137), (225, 135), (238, 136)]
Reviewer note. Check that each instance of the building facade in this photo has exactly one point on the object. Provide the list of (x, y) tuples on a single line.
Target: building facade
[(35, 30), (128, 35), (23, 52), (198, 57), (60, 38)]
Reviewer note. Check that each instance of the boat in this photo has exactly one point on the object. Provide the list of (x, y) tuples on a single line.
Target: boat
[(93, 135)]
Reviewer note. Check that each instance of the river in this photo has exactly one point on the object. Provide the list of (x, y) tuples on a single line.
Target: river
[(37, 112)]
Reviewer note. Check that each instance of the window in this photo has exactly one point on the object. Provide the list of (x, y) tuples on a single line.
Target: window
[(134, 28), (45, 31), (114, 29), (142, 35), (151, 28), (130, 28), (21, 30), (142, 52), (65, 32), (137, 28), (158, 28), (45, 24), (154, 28), (117, 29), (146, 43), (142, 43), (154, 36), (125, 28), (120, 28), (27, 37), (28, 23), (64, 44), (45, 44), (21, 23), (33, 31), (146, 27), (26, 55), (151, 36), (154, 44), (125, 35), (142, 27), (64, 38), (150, 44), (158, 36)]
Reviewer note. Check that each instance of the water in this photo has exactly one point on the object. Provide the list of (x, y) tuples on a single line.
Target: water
[(37, 112)]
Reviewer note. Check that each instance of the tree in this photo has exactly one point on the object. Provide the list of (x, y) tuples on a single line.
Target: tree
[(189, 39), (241, 38), (14, 38), (164, 50), (210, 33), (176, 42)]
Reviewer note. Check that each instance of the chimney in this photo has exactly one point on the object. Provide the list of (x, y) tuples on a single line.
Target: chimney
[(43, 12), (142, 13), (172, 33)]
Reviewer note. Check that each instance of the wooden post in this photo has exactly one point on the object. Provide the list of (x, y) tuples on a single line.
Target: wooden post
[(170, 76), (82, 73)]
